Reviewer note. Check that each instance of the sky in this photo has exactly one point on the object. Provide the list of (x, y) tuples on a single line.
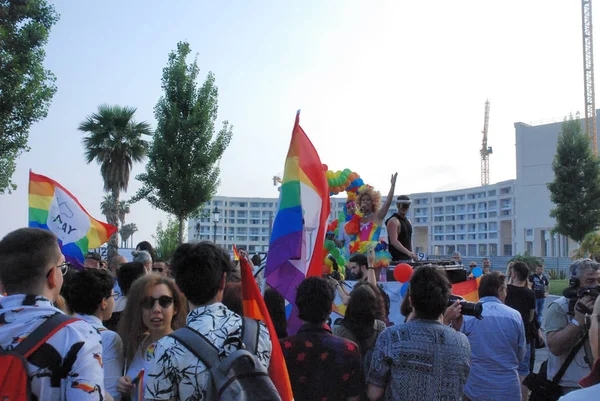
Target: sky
[(384, 87)]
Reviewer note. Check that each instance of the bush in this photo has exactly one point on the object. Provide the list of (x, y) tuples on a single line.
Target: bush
[(531, 261)]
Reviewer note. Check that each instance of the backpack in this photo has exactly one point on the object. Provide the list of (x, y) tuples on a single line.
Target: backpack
[(14, 379), (239, 376)]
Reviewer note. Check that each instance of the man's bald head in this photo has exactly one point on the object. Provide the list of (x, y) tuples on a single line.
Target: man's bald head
[(115, 263)]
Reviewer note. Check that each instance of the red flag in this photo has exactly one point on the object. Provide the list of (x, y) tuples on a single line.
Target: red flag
[(255, 308)]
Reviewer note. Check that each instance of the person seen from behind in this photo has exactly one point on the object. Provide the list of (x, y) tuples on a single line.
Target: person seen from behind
[(91, 297), (321, 366), (423, 359)]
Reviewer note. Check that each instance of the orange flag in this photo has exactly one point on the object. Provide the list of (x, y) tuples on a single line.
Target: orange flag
[(255, 308)]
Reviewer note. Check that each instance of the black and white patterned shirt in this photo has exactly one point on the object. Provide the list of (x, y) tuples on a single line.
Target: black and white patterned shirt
[(174, 372), (69, 365), (422, 360)]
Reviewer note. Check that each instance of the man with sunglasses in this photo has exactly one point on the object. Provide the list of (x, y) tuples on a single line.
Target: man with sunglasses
[(399, 230), (31, 270), (590, 383)]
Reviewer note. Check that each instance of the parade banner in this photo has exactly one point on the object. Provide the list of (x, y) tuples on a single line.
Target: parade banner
[(53, 208)]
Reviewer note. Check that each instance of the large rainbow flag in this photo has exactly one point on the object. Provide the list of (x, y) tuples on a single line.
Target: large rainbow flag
[(53, 208), (296, 246), (469, 289), (255, 308)]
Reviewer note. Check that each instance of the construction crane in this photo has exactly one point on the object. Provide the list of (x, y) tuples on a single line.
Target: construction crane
[(588, 73), (486, 150)]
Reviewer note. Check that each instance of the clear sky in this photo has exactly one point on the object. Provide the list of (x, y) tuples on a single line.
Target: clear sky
[(383, 86)]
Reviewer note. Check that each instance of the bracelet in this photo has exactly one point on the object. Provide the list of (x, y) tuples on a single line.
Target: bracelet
[(370, 268)]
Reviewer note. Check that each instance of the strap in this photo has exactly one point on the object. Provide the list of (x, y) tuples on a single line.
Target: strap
[(42, 333), (203, 350), (569, 359), (250, 330)]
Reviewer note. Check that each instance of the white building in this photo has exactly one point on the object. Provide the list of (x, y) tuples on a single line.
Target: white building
[(501, 219), (245, 222), (536, 148)]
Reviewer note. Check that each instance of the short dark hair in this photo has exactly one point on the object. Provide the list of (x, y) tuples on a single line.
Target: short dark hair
[(362, 311), (360, 259), (93, 255), (128, 273), (24, 256), (256, 260), (198, 270), (146, 246), (429, 290), (314, 299), (490, 284), (87, 289), (521, 269)]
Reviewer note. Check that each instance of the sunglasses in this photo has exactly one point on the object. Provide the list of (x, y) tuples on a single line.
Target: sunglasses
[(164, 302), (157, 269), (64, 268)]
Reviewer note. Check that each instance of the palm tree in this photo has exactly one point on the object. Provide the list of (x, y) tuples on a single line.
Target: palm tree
[(124, 210), (127, 232), (115, 142)]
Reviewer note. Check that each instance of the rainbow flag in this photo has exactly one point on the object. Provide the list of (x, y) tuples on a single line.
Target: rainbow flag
[(296, 246), (255, 308), (53, 208), (469, 289)]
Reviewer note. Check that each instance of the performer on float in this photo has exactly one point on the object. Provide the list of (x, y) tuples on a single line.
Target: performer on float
[(367, 222)]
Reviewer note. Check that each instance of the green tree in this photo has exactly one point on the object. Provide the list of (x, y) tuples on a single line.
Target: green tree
[(531, 261), (576, 187), (182, 171), (26, 88), (590, 247), (167, 238), (115, 142)]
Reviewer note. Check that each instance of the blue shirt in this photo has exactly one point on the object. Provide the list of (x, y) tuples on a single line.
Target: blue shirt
[(497, 348)]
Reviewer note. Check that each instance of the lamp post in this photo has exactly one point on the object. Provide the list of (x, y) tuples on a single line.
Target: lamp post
[(216, 217)]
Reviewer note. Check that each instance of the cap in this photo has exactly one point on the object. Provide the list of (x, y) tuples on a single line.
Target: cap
[(93, 255)]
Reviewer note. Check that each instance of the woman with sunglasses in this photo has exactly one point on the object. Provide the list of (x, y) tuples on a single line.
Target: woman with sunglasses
[(90, 296), (155, 308)]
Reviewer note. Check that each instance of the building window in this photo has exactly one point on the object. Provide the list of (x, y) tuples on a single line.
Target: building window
[(450, 238), (438, 219), (472, 250), (493, 214), (482, 249), (254, 204), (507, 250), (438, 237), (242, 221), (505, 190), (492, 192), (493, 235), (438, 200), (529, 232), (254, 221), (493, 250)]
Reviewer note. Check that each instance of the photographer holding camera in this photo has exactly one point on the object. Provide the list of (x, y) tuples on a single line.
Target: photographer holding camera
[(564, 323)]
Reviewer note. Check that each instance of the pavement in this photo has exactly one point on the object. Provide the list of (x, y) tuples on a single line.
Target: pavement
[(542, 354)]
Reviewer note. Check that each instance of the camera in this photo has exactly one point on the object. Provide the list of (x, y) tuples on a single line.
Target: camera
[(574, 294), (468, 308)]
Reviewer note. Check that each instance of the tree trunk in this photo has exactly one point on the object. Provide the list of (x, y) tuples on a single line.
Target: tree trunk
[(113, 242), (180, 237)]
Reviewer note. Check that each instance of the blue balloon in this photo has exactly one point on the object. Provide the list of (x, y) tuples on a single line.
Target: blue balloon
[(403, 289), (477, 272)]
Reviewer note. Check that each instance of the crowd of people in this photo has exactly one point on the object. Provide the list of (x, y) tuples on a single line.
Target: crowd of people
[(123, 337)]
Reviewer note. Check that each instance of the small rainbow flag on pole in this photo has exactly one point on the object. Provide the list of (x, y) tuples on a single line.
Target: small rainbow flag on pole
[(296, 246), (236, 255), (255, 308), (53, 208)]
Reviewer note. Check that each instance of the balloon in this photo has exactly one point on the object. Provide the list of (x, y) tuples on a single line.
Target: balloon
[(326, 269), (477, 272), (402, 272), (403, 289), (329, 245), (335, 252), (340, 261)]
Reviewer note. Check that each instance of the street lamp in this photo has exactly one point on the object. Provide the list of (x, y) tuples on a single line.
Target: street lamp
[(216, 217)]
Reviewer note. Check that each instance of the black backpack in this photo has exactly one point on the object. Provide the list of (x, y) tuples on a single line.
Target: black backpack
[(239, 376)]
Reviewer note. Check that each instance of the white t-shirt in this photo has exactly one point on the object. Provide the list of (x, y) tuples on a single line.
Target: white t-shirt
[(585, 394)]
